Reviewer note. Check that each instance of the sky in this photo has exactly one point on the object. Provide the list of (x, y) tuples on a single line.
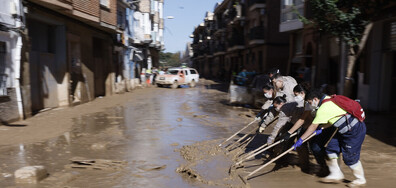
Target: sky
[(187, 14)]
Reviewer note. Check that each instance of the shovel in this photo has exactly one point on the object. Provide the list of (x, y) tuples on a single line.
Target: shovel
[(245, 143), (244, 179), (260, 150), (275, 118), (243, 137), (232, 136), (229, 147)]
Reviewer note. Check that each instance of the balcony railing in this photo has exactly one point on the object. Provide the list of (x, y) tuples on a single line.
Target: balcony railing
[(219, 48), (236, 40), (253, 2), (235, 12), (220, 24), (257, 33)]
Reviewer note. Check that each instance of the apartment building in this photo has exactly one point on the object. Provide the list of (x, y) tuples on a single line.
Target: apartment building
[(11, 26), (148, 29), (67, 52), (240, 34), (318, 57), (70, 51)]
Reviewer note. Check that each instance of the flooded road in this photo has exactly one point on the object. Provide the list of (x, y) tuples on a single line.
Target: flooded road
[(145, 132), (147, 138)]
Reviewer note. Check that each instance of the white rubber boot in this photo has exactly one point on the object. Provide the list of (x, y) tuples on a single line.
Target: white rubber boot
[(336, 175), (358, 172)]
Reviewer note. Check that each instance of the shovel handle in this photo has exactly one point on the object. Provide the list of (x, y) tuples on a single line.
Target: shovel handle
[(276, 158), (265, 149), (262, 145), (243, 137), (229, 138)]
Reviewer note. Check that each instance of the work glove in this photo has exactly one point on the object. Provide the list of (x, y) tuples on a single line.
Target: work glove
[(261, 113), (257, 118), (298, 143), (261, 129), (285, 136), (318, 131)]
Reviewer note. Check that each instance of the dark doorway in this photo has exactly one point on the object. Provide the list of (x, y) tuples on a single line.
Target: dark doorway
[(43, 67), (100, 67), (393, 81)]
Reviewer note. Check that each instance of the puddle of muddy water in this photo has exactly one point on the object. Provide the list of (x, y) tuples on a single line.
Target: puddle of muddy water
[(150, 132), (144, 134), (208, 163)]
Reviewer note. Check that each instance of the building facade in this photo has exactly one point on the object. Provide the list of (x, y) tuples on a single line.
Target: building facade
[(11, 27), (240, 34), (148, 29), (67, 52), (70, 47), (318, 57)]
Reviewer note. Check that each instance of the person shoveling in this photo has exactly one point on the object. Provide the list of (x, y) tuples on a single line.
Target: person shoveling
[(347, 116), (297, 144)]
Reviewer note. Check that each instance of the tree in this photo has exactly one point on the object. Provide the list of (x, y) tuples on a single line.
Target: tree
[(350, 21), (169, 59)]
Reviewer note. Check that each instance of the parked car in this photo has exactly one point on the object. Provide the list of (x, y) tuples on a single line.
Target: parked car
[(175, 77)]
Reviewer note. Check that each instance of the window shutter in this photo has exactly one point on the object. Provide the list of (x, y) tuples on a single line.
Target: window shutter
[(393, 36)]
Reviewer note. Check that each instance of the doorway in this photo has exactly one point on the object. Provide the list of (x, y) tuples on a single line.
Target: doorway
[(77, 77), (393, 81)]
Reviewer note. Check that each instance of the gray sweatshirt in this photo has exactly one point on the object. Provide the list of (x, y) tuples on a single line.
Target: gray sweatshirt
[(290, 112)]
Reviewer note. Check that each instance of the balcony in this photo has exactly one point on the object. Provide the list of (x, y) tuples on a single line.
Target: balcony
[(289, 19), (219, 49), (236, 42), (235, 13), (256, 4), (220, 24), (256, 35), (199, 50)]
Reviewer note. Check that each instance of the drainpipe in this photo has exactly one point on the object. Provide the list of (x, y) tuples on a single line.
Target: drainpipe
[(17, 65), (17, 68)]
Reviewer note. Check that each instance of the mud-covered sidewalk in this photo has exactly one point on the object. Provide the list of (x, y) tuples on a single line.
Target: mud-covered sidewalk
[(162, 137), (55, 122)]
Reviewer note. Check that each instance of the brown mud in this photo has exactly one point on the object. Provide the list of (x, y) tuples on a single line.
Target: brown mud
[(158, 130), (210, 164)]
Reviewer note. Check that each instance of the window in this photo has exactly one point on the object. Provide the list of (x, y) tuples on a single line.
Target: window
[(185, 72), (120, 19), (193, 71), (105, 3), (288, 2), (392, 40), (173, 72), (152, 5), (3, 76), (288, 9), (298, 43)]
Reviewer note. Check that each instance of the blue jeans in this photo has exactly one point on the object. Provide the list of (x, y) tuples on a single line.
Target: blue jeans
[(349, 144)]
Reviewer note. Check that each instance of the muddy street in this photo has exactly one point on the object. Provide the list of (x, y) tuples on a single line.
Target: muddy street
[(162, 137)]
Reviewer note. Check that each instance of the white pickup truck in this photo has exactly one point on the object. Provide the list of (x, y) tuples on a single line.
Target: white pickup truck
[(175, 77)]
